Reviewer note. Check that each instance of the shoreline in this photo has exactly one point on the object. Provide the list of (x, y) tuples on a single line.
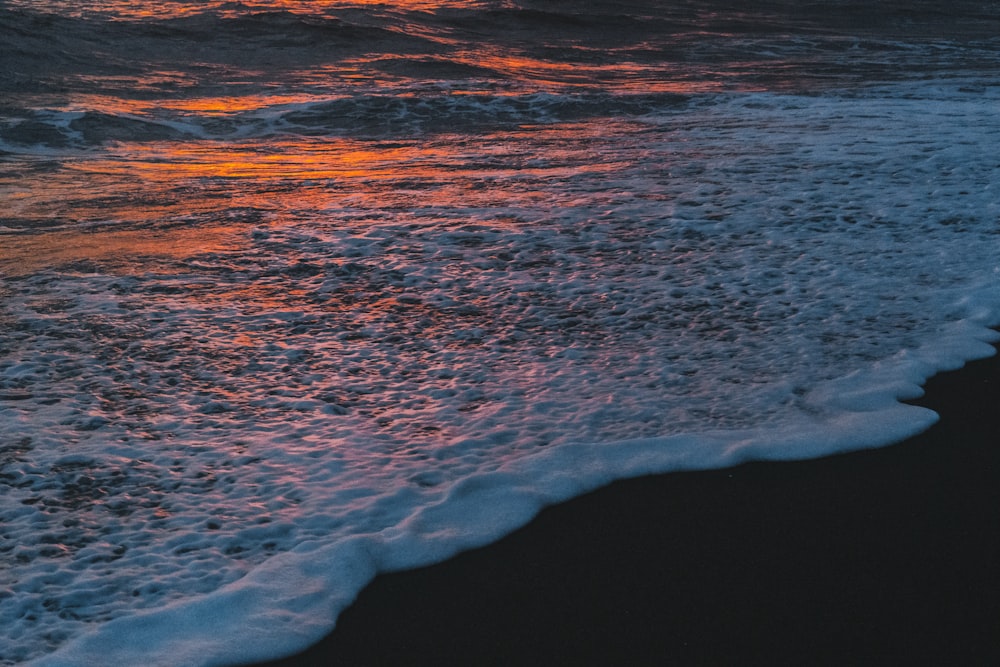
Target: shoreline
[(880, 556)]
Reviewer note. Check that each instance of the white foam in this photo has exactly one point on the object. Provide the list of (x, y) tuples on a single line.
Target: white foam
[(293, 599)]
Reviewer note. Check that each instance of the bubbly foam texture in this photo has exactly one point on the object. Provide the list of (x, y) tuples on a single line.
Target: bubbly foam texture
[(208, 455)]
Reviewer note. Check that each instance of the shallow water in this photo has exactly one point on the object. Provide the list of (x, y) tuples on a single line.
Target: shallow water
[(295, 292)]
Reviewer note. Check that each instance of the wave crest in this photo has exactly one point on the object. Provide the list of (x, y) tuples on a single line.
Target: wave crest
[(361, 115)]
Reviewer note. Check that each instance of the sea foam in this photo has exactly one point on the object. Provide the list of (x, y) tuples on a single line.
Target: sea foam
[(293, 599), (210, 452)]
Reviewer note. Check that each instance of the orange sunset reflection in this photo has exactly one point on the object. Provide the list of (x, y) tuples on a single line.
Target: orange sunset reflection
[(203, 195), (21, 255)]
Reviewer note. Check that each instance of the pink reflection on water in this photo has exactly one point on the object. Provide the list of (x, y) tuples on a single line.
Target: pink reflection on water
[(180, 8)]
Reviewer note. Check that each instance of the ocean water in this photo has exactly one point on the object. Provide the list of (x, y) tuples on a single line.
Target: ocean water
[(297, 292)]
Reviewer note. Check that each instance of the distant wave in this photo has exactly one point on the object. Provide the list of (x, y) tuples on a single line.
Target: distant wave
[(45, 53), (212, 45)]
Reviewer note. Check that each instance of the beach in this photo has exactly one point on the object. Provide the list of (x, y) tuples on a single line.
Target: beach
[(295, 295), (884, 556)]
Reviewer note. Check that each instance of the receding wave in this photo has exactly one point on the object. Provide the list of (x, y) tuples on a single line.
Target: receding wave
[(292, 297)]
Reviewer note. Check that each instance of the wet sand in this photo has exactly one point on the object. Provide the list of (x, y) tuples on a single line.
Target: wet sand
[(880, 557)]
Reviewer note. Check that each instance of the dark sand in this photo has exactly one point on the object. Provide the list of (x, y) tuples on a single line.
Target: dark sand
[(885, 557)]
